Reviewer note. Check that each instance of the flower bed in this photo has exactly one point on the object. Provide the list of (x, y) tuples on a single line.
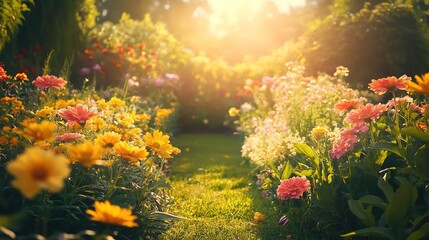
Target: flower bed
[(331, 160), (82, 163)]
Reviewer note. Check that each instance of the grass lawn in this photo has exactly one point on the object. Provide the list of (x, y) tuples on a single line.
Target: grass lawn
[(212, 186)]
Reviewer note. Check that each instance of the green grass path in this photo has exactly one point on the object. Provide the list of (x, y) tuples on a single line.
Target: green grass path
[(212, 187)]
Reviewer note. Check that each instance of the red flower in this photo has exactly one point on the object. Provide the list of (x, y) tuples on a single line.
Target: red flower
[(382, 85), (87, 52), (366, 112), (292, 188), (346, 105), (79, 114), (3, 75), (46, 81)]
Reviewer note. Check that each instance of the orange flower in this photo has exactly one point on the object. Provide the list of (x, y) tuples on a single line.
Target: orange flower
[(3, 75), (105, 212), (43, 131), (422, 85), (346, 105), (21, 77), (132, 154), (37, 169), (47, 81), (382, 85), (79, 114), (366, 112)]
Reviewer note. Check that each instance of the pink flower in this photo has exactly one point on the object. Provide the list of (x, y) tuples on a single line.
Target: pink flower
[(391, 102), (68, 137), (369, 111), (348, 139), (80, 113), (46, 81), (292, 188), (346, 105), (382, 85), (3, 75)]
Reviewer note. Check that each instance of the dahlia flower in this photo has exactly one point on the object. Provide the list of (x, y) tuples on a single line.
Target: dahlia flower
[(79, 114), (47, 81), (292, 188), (363, 113), (382, 85)]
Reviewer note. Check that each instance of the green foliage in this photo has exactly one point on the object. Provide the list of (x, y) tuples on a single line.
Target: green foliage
[(387, 39), (11, 17)]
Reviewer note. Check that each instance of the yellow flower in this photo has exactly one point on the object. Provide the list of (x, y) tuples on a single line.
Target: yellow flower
[(258, 218), (108, 139), (125, 120), (37, 169), (105, 212), (422, 85), (87, 153), (130, 152), (133, 133), (115, 102), (44, 131), (21, 76), (163, 112), (45, 112), (318, 133), (143, 117), (101, 104), (233, 112), (135, 99), (95, 124), (69, 103), (159, 144)]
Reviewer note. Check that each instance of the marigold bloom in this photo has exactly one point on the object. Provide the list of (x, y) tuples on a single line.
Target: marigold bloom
[(233, 112), (3, 75), (115, 102), (37, 169), (345, 105), (43, 131), (292, 188), (69, 137), (87, 153), (363, 113), (79, 114), (47, 81), (21, 77), (105, 212), (422, 85), (382, 85), (159, 143), (108, 139), (131, 153), (45, 112), (258, 218)]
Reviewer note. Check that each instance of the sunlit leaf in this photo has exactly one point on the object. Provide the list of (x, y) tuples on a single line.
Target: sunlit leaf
[(400, 206), (415, 132), (381, 232), (287, 170), (421, 233)]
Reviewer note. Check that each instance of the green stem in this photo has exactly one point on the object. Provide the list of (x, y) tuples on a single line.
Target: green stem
[(398, 134)]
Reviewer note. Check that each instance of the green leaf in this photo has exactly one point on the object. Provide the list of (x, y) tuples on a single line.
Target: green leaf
[(391, 147), (415, 132), (357, 209), (373, 200), (305, 149), (421, 233), (386, 188), (401, 205), (372, 232), (421, 160), (381, 157), (364, 215), (165, 216), (287, 170)]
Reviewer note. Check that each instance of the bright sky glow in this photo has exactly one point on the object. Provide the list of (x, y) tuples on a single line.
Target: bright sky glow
[(224, 13)]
